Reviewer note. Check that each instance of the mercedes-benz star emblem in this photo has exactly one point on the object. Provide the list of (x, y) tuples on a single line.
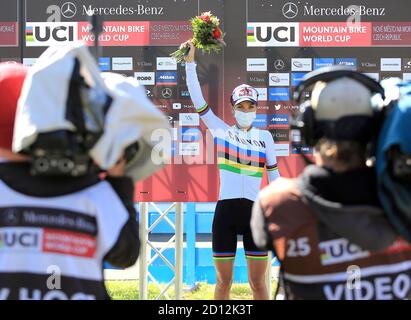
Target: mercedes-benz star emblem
[(11, 216), (68, 10), (167, 93), (279, 64), (290, 10)]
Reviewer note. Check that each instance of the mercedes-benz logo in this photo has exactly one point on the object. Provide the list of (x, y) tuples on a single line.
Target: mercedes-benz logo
[(279, 64), (290, 10), (11, 216), (68, 10), (167, 93)]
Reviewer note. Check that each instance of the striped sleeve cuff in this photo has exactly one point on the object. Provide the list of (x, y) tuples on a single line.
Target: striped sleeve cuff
[(203, 110), (272, 167)]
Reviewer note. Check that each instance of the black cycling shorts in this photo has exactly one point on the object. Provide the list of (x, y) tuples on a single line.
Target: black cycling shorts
[(232, 217)]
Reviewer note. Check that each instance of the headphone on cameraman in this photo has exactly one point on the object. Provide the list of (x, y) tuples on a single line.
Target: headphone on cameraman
[(310, 128)]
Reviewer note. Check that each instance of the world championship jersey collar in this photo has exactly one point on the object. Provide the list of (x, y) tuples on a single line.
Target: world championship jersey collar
[(248, 130)]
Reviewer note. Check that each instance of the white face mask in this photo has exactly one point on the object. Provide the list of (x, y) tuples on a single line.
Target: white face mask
[(244, 119)]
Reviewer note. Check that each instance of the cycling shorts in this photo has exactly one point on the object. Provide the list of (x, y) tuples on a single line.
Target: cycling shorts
[(232, 217)]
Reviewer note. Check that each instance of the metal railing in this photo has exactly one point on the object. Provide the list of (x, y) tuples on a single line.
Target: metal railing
[(176, 242)]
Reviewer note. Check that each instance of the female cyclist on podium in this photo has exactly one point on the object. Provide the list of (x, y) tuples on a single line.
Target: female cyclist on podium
[(242, 153)]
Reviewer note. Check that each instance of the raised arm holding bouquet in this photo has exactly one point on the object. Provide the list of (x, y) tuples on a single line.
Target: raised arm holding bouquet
[(207, 36)]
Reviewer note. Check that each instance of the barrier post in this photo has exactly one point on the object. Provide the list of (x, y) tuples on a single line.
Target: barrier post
[(190, 258), (268, 274), (143, 221), (179, 246)]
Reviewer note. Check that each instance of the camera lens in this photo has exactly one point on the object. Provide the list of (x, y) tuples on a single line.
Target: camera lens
[(41, 165), (65, 165)]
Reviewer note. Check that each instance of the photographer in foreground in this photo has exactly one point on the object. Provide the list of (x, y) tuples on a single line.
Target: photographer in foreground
[(67, 189), (327, 227)]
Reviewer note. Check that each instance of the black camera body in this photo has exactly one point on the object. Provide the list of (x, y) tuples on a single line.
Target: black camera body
[(65, 152), (399, 164), (60, 153)]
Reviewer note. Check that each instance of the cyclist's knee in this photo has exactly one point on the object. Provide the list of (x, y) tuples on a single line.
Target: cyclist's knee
[(257, 283), (224, 281)]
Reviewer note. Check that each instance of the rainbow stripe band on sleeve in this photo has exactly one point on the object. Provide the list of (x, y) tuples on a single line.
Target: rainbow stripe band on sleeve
[(256, 255), (223, 256), (272, 168), (203, 110)]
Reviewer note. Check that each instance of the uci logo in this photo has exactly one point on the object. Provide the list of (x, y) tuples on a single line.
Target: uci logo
[(59, 34), (280, 34), (13, 239), (50, 33), (265, 34), (340, 250)]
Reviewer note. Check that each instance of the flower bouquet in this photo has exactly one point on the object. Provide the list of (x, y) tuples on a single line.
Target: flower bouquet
[(207, 36)]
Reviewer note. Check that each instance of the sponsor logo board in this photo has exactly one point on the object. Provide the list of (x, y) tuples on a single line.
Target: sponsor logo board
[(256, 64), (122, 63), (279, 79), (260, 121), (166, 78), (282, 149), (166, 63), (145, 78), (279, 94), (301, 64), (390, 64), (279, 119), (189, 119)]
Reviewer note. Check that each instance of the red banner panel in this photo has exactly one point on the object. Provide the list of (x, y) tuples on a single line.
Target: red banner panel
[(395, 34), (335, 34), (118, 33), (9, 34), (138, 33)]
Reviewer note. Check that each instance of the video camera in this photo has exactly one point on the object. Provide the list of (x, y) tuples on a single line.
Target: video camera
[(66, 152)]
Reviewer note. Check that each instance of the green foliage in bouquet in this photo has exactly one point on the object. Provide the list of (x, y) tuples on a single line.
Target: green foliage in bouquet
[(207, 36)]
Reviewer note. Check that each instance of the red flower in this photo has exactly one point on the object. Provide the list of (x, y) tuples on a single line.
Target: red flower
[(217, 33), (206, 19)]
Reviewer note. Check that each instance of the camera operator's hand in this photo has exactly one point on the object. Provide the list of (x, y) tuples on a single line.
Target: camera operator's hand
[(191, 54), (118, 169)]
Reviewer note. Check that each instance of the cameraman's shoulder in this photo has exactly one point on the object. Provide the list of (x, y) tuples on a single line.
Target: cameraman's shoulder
[(102, 193), (281, 201), (278, 191)]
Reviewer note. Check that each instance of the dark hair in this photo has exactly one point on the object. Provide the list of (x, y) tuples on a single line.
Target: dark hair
[(343, 155)]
